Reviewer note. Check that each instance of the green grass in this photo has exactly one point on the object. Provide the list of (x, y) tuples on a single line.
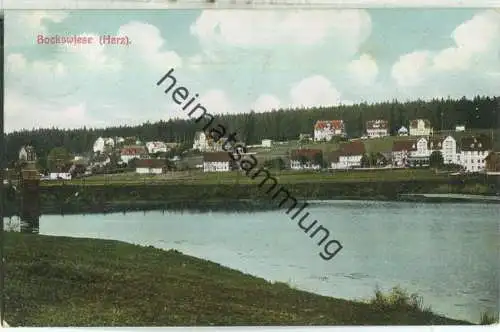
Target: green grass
[(283, 177), (489, 318), (58, 281)]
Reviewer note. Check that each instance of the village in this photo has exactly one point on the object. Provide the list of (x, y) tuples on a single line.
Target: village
[(328, 148)]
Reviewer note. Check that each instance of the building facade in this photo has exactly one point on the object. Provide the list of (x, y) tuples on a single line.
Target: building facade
[(473, 152), (27, 153), (403, 131), (348, 156), (448, 148), (150, 166), (200, 141), (156, 147), (377, 128), (420, 127), (326, 130), (306, 159), (103, 144), (217, 162), (130, 152), (401, 152)]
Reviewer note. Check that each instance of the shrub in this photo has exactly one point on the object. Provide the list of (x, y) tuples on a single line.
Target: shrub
[(488, 319), (398, 299)]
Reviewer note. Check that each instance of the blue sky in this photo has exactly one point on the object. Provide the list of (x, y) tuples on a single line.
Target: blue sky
[(238, 60)]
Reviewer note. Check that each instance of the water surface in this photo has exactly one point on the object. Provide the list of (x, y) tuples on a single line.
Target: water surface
[(448, 253)]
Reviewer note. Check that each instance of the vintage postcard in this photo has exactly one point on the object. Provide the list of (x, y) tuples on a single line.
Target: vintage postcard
[(251, 167)]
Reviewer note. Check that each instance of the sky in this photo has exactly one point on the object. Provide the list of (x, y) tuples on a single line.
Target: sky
[(241, 60)]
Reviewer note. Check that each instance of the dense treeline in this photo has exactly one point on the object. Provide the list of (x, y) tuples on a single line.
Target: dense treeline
[(444, 114)]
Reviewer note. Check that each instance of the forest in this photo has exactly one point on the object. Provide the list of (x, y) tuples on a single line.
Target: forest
[(283, 124)]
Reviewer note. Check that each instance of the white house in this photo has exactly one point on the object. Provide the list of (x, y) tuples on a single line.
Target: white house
[(403, 131), (266, 143), (119, 140), (473, 152), (377, 128), (217, 162), (60, 176), (150, 166), (102, 144), (27, 153), (156, 147), (460, 128), (133, 151), (200, 141), (306, 159), (401, 151), (422, 148), (305, 137), (326, 130), (420, 127), (348, 156), (448, 148)]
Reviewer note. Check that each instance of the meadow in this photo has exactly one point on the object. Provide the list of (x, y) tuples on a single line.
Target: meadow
[(59, 281)]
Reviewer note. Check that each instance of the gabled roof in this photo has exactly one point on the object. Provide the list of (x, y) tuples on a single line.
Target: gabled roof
[(403, 129), (475, 143), (377, 124), (436, 142), (404, 145), (133, 150), (355, 148), (308, 153), (216, 157), (334, 124)]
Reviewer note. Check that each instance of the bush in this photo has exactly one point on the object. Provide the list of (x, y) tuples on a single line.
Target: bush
[(488, 319), (398, 299)]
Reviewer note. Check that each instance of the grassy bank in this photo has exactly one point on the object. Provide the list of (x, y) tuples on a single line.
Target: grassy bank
[(235, 191), (57, 281)]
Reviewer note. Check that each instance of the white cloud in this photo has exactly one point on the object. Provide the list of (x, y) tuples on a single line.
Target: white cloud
[(364, 69), (410, 70), (479, 34), (266, 103), (265, 28), (24, 26), (477, 47), (205, 58), (452, 58), (90, 57), (216, 102), (21, 111), (314, 91), (146, 39), (26, 75)]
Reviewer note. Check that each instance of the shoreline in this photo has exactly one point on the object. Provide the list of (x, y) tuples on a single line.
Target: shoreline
[(151, 280), (246, 205)]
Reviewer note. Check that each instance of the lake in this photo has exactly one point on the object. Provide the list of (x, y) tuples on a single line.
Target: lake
[(448, 253)]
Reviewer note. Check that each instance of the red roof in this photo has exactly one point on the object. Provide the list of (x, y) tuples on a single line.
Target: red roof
[(334, 124), (217, 157), (405, 145), (133, 150), (352, 149)]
